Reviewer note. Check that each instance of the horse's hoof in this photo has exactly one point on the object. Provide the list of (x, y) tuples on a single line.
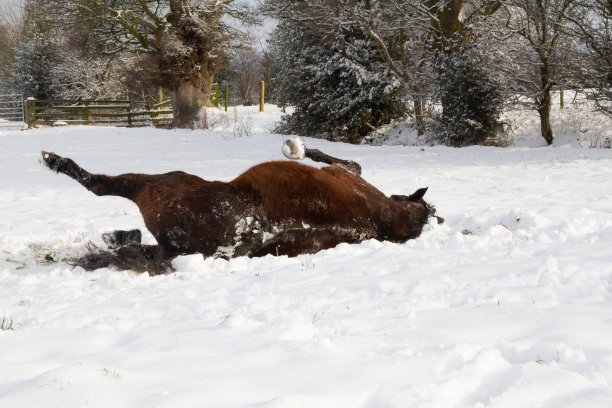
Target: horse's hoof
[(51, 160), (294, 149)]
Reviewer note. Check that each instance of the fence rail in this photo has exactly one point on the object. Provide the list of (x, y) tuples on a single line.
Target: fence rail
[(11, 107), (91, 112)]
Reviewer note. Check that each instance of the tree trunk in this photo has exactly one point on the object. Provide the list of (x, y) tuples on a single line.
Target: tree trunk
[(189, 60), (544, 111), (187, 101), (545, 102), (419, 114), (449, 18), (449, 29)]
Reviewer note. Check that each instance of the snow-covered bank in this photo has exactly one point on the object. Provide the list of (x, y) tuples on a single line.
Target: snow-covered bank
[(505, 305), (576, 124)]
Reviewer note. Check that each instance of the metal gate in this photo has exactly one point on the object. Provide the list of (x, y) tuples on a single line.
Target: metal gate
[(11, 108)]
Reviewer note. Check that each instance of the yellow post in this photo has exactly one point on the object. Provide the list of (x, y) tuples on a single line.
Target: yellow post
[(161, 95), (214, 97), (261, 101)]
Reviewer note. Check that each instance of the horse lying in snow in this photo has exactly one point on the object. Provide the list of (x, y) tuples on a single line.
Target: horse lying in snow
[(278, 208)]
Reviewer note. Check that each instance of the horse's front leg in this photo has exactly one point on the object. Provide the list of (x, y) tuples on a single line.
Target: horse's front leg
[(119, 238), (134, 257)]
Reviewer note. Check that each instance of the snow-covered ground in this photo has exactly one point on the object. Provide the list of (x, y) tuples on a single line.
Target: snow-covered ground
[(507, 304), (574, 125)]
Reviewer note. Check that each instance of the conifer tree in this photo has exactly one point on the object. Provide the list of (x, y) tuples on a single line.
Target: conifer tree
[(340, 88)]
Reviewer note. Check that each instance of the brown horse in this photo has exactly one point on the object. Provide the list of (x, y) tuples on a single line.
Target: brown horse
[(278, 208)]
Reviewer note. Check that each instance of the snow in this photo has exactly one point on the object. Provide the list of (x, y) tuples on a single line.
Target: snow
[(507, 304), (10, 125), (576, 125)]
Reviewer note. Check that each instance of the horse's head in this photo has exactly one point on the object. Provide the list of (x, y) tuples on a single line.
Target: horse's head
[(415, 203)]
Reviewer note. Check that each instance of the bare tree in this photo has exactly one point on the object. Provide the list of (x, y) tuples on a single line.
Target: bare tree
[(592, 22), (543, 28), (269, 71), (83, 75), (247, 65), (183, 39), (11, 23)]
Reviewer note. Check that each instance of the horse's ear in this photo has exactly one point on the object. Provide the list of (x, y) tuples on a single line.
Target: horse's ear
[(417, 195)]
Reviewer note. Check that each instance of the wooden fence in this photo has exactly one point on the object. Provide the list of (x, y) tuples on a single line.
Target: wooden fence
[(89, 112)]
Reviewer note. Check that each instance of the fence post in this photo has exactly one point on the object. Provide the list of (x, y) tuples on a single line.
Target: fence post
[(22, 108), (561, 102), (129, 112), (29, 104), (26, 112), (214, 97), (161, 95), (261, 100), (85, 112), (226, 92)]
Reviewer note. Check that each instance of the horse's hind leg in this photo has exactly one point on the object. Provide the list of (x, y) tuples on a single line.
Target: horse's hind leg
[(295, 149), (124, 185)]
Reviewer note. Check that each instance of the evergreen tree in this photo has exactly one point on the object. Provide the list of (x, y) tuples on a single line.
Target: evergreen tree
[(37, 53), (10, 30), (471, 96), (340, 88), (409, 42)]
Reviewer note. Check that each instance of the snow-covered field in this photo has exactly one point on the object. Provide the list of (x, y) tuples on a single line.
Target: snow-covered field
[(507, 304)]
